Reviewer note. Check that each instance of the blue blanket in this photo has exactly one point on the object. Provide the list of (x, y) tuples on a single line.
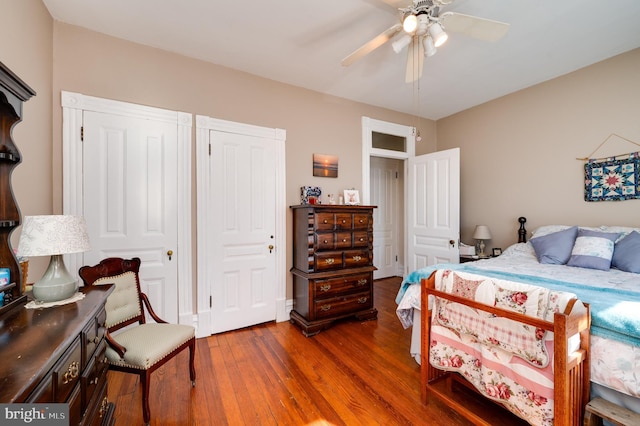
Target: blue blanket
[(615, 314)]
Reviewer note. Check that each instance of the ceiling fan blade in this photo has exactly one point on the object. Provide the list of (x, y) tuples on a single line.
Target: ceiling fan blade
[(415, 60), (371, 45), (480, 28)]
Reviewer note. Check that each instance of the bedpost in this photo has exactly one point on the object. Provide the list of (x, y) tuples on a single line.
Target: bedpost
[(522, 233)]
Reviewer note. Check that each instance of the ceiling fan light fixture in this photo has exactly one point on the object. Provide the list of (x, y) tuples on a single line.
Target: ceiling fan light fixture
[(410, 23), (437, 34), (401, 43), (429, 47)]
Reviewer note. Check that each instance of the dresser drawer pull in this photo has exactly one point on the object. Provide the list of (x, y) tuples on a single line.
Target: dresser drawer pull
[(93, 381), (344, 221), (330, 261), (72, 372), (325, 287), (325, 221), (325, 308), (96, 340), (103, 406), (325, 242), (344, 240), (105, 360), (363, 300), (362, 281), (357, 258), (361, 239), (361, 221)]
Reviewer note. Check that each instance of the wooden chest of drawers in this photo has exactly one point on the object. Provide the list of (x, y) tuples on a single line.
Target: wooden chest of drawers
[(57, 355), (332, 265)]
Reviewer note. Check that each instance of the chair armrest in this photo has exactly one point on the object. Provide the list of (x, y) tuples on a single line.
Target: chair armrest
[(153, 314), (115, 345)]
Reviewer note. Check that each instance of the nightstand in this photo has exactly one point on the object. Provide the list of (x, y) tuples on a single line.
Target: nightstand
[(467, 258)]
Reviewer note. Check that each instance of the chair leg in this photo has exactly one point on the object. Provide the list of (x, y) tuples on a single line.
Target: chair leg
[(192, 368), (145, 378)]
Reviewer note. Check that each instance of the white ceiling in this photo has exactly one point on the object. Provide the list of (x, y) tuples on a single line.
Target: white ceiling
[(301, 42)]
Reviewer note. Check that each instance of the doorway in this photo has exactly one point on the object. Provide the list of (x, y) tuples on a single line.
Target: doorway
[(241, 222), (127, 170)]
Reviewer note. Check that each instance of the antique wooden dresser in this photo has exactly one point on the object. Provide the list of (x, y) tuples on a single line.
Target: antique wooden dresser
[(57, 354), (332, 265)]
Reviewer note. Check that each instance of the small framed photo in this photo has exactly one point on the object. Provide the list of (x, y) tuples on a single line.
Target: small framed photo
[(351, 197), (497, 252)]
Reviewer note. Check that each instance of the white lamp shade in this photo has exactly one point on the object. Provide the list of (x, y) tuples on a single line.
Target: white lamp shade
[(53, 234), (410, 23), (482, 233), (437, 33)]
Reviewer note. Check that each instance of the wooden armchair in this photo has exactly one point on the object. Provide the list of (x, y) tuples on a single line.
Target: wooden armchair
[(143, 347)]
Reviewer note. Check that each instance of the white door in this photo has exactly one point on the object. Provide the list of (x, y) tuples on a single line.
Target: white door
[(385, 194), (130, 199), (433, 209), (242, 220)]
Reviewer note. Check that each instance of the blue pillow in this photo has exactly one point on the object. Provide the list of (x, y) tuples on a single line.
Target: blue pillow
[(626, 254), (593, 249), (555, 248)]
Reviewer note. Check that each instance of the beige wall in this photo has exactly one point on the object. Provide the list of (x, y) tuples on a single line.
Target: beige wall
[(94, 64), (26, 48), (518, 153)]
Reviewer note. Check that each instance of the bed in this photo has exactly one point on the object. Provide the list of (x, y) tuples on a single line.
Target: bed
[(612, 294)]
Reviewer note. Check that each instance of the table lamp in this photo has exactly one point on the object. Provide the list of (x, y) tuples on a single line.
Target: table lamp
[(54, 235), (480, 234)]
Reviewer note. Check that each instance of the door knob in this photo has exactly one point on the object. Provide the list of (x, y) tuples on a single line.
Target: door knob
[(452, 242), (170, 253), (270, 248)]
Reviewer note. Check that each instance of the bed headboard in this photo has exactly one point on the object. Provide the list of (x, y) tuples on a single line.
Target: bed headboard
[(522, 233)]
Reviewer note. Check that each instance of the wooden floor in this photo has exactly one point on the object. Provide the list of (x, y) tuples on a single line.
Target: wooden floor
[(355, 373)]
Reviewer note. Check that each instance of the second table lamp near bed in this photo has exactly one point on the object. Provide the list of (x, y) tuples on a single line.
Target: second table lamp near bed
[(481, 234)]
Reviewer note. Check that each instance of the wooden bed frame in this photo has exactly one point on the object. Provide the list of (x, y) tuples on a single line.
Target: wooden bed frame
[(571, 370)]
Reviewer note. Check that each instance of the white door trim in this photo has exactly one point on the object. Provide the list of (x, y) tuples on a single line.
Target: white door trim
[(370, 125), (73, 105), (204, 125)]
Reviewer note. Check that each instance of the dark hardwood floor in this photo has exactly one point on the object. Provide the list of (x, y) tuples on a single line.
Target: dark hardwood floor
[(355, 373)]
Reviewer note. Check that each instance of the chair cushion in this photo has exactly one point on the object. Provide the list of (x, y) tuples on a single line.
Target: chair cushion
[(123, 303), (148, 343)]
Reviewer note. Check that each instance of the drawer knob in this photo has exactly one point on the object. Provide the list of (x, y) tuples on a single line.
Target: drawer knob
[(361, 239), (361, 221), (96, 340), (325, 221), (93, 381), (103, 406), (344, 240), (330, 261), (325, 287), (363, 300), (362, 281), (71, 373), (357, 258), (344, 221), (325, 308), (325, 242)]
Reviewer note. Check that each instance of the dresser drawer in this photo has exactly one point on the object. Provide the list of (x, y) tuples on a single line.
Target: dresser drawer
[(356, 258), (362, 220), (92, 334), (333, 287), (94, 374), (328, 260), (342, 305), (361, 239), (324, 221), (66, 373), (75, 407), (344, 221)]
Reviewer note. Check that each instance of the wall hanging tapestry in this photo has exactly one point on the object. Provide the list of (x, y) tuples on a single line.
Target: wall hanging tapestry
[(612, 179)]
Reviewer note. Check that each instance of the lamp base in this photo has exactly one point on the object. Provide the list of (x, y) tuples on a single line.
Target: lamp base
[(56, 283)]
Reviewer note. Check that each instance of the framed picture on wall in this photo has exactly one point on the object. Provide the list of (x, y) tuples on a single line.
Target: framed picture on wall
[(351, 197)]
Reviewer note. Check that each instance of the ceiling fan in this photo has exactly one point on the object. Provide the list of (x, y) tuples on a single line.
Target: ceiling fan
[(424, 30)]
